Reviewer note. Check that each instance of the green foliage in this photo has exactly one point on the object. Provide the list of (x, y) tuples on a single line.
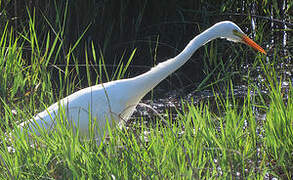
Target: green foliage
[(222, 138), (11, 66), (200, 144)]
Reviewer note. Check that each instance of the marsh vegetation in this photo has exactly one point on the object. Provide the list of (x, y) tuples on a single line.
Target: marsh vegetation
[(227, 113)]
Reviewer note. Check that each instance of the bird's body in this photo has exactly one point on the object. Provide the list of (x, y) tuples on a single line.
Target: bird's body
[(100, 102), (115, 101)]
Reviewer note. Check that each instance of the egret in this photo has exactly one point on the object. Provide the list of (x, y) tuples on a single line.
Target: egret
[(115, 101)]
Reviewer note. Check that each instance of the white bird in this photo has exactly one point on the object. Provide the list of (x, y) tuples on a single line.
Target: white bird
[(115, 101)]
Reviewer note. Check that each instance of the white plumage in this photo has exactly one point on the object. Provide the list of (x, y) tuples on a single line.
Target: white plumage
[(115, 101)]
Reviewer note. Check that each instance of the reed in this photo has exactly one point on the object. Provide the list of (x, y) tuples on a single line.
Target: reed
[(226, 136)]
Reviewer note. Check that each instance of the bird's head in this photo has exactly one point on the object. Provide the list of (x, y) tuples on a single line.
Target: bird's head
[(232, 32)]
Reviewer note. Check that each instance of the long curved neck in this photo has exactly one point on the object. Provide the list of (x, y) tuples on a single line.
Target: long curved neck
[(147, 81)]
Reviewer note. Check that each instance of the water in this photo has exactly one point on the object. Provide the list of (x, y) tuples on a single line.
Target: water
[(278, 34)]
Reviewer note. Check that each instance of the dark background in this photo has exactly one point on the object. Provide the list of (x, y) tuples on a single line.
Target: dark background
[(153, 27)]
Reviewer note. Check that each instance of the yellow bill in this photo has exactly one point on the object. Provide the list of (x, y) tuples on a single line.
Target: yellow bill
[(251, 43)]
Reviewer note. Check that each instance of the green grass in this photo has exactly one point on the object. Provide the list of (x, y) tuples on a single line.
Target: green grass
[(199, 144), (226, 137)]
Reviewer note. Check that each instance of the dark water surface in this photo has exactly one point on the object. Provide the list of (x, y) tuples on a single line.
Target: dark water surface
[(280, 40)]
